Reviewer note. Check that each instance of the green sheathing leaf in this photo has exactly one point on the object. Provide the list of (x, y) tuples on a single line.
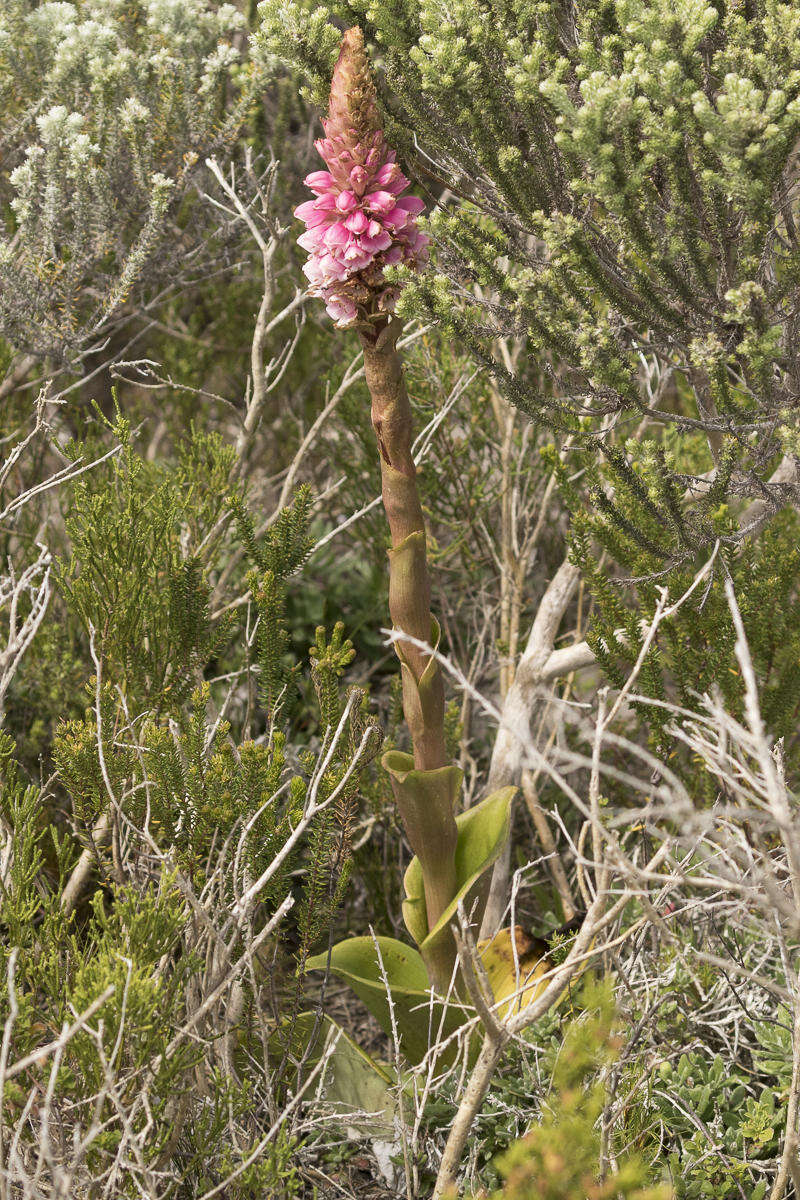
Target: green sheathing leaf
[(426, 800), (482, 833)]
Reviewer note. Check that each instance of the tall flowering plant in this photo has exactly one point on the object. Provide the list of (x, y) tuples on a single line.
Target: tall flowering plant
[(360, 221)]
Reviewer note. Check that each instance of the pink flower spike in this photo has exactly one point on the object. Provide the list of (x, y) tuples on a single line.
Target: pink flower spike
[(342, 310), (325, 203), (305, 210), (375, 244), (333, 271), (311, 240), (313, 271), (397, 217), (309, 213), (357, 224), (359, 178), (412, 204), (388, 172), (398, 185), (336, 235), (359, 261)]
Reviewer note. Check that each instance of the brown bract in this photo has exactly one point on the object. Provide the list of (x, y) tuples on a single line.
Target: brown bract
[(354, 101)]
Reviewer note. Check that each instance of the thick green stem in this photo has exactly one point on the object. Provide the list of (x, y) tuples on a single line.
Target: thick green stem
[(409, 587), (410, 609)]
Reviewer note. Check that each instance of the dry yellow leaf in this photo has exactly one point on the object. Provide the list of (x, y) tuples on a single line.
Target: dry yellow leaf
[(515, 978)]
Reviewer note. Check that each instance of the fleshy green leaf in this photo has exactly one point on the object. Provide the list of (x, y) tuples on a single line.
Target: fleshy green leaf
[(421, 1020), (353, 1081), (426, 799), (515, 978)]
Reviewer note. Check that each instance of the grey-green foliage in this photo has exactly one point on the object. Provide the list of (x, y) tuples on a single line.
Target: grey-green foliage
[(628, 191), (330, 843), (745, 1121), (538, 1135), (21, 817), (703, 1084), (558, 1158), (693, 652), (109, 108), (345, 732), (276, 557), (50, 970)]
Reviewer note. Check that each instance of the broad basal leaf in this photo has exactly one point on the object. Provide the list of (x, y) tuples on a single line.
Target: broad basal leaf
[(420, 1019), (353, 1081)]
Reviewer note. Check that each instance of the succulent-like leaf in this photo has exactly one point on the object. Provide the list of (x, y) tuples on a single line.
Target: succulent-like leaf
[(353, 1081), (426, 800), (420, 1018)]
